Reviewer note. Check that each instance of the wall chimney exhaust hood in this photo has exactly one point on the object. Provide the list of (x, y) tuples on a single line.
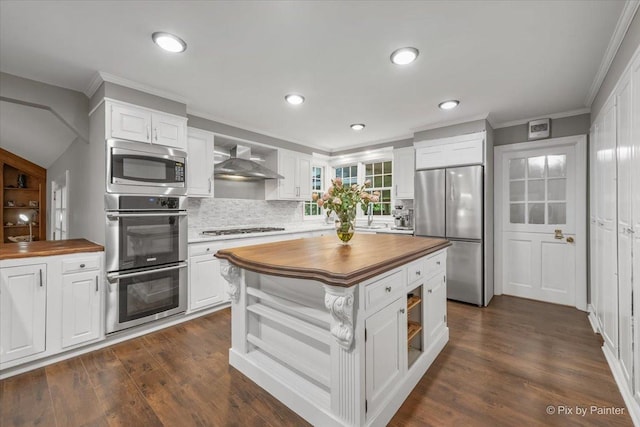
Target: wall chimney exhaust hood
[(240, 167)]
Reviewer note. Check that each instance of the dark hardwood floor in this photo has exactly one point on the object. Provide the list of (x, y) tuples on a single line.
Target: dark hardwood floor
[(504, 365)]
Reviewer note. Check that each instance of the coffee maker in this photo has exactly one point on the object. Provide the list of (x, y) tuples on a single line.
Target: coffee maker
[(403, 218)]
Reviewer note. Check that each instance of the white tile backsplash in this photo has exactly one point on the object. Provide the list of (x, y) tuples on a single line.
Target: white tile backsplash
[(211, 213)]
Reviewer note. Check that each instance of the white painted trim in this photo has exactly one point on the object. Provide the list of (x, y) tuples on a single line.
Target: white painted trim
[(628, 12), (96, 81), (452, 122), (580, 143), (93, 85), (111, 340), (627, 395), (451, 139), (560, 115), (593, 321)]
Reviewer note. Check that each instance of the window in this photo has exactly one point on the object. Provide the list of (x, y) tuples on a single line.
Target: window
[(349, 174), (311, 208), (380, 175), (538, 190)]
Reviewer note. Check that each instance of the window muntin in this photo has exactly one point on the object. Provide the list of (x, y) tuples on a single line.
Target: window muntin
[(311, 208)]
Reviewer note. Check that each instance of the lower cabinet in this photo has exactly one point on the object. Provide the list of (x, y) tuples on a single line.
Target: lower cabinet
[(23, 301), (81, 311), (436, 308), (386, 347), (49, 305), (206, 284)]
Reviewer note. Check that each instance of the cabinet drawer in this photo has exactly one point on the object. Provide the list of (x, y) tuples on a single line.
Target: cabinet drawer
[(435, 263), (80, 264), (203, 249), (384, 291), (416, 271)]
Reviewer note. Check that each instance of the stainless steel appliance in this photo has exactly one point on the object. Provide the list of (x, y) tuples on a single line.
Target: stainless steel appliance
[(146, 252), (140, 168), (403, 218), (230, 231), (449, 203)]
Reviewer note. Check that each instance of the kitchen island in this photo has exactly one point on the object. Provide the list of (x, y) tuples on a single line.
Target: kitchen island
[(339, 333)]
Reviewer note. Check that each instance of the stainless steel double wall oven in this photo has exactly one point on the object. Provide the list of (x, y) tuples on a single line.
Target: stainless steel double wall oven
[(146, 234)]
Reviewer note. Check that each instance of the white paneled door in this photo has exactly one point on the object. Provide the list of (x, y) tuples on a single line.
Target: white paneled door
[(541, 220)]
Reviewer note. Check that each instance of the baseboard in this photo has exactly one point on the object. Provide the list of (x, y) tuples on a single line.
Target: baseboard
[(632, 405), (592, 319)]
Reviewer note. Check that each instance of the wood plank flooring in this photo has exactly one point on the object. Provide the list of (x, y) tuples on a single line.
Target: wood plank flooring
[(503, 366)]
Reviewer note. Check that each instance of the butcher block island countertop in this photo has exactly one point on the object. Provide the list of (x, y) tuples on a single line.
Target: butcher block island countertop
[(340, 334), (47, 248), (327, 260)]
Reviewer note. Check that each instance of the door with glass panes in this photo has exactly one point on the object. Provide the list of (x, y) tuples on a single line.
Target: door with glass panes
[(542, 216)]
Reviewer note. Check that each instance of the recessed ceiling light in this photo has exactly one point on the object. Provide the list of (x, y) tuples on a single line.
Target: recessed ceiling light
[(294, 99), (357, 126), (404, 55), (169, 42), (449, 105)]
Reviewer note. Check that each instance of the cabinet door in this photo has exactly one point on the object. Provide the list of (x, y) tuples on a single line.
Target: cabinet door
[(287, 167), (81, 307), (304, 178), (169, 130), (206, 286), (386, 351), (200, 163), (130, 123), (403, 172), (23, 300), (436, 308)]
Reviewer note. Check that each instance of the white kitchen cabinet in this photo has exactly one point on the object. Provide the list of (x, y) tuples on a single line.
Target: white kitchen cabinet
[(435, 308), (385, 348), (206, 285), (634, 196), (296, 169), (200, 158), (23, 300), (403, 172), (454, 151), (81, 307), (136, 123)]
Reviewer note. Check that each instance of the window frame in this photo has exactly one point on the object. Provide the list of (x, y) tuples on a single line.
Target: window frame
[(325, 182)]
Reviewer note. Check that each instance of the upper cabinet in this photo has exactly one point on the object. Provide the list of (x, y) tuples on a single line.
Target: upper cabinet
[(455, 151), (142, 124), (296, 170), (403, 172), (200, 157)]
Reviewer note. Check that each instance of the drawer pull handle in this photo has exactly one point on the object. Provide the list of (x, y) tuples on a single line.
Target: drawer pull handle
[(208, 249), (438, 262), (96, 283), (402, 310), (81, 265), (41, 285), (418, 272), (430, 291), (388, 289)]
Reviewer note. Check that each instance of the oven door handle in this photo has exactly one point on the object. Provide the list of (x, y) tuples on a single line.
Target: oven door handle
[(143, 215), (115, 276)]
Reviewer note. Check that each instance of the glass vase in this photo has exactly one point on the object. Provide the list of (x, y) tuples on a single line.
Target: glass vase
[(345, 227)]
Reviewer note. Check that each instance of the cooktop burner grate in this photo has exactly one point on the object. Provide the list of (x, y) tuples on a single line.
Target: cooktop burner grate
[(228, 231)]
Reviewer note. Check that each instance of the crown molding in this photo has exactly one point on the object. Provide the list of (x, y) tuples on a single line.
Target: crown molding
[(101, 77), (544, 116), (628, 12)]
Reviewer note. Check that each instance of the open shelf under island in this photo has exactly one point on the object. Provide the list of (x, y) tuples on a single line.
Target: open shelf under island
[(341, 334)]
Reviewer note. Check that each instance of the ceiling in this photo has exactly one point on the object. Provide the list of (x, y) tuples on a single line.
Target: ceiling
[(512, 59), (33, 133)]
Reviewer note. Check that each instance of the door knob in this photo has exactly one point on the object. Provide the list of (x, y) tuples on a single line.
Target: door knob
[(558, 234), (570, 240)]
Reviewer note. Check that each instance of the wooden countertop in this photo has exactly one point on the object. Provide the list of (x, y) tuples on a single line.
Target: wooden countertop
[(327, 260), (47, 248)]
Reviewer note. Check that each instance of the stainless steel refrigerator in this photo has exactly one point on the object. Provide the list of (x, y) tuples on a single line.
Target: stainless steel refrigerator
[(449, 204)]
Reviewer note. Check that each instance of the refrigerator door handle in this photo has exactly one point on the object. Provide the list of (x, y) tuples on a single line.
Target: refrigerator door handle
[(452, 189)]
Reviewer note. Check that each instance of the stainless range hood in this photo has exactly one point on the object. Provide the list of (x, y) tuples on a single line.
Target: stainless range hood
[(240, 167)]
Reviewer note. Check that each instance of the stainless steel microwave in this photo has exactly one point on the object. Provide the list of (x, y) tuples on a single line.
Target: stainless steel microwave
[(141, 168)]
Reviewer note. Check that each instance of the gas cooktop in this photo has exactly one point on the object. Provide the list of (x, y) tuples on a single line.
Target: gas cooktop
[(228, 231)]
